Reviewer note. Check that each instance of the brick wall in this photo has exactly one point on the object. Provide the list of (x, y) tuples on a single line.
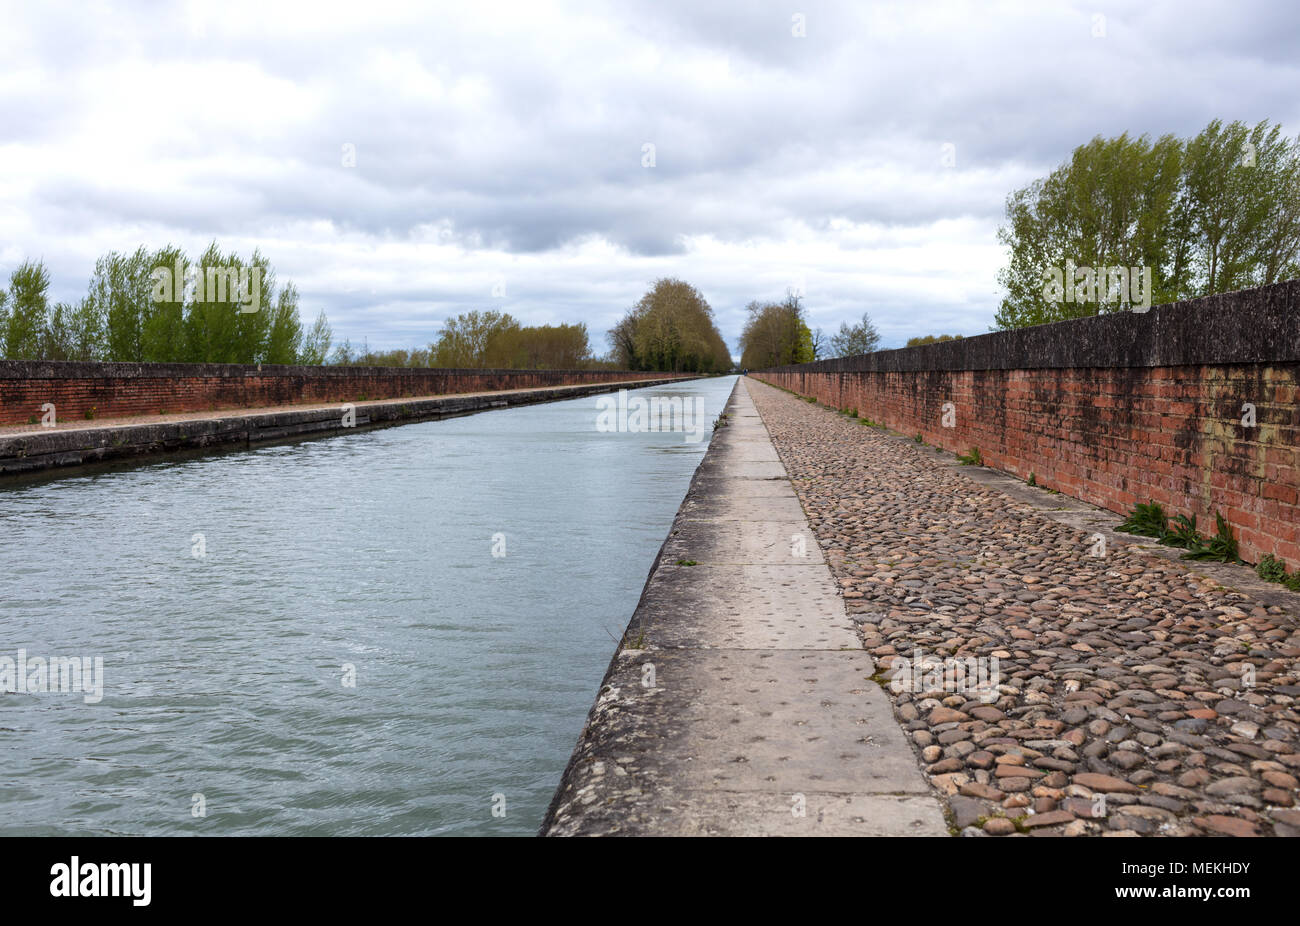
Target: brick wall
[(1114, 410), (115, 390)]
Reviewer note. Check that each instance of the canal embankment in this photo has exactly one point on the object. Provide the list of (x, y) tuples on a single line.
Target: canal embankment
[(36, 448), (740, 700)]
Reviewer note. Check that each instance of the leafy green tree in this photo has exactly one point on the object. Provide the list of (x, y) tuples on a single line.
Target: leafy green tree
[(123, 287), (28, 304), (87, 331), (162, 318), (285, 338), (57, 334), (670, 328), (1216, 213), (775, 334), (316, 344)]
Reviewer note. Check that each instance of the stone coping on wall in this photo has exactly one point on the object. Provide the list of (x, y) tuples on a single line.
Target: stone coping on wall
[(67, 369), (1259, 325)]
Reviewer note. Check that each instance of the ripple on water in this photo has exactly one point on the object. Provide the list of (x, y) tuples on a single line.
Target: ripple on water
[(224, 675)]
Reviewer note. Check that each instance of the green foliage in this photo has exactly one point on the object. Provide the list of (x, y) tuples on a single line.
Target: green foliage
[(671, 328), (1215, 213), (1182, 532), (971, 459), (775, 334), (1147, 520), (859, 338), (931, 339), (316, 344), (1222, 546), (28, 303), (142, 307), (495, 340), (1271, 569), (1033, 480)]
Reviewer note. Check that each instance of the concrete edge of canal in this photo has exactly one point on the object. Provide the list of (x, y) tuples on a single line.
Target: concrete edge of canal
[(740, 700), (36, 451)]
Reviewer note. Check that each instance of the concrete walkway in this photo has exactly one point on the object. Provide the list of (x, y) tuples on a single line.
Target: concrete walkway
[(740, 701)]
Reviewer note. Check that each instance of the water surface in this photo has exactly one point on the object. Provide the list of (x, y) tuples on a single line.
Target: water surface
[(225, 673)]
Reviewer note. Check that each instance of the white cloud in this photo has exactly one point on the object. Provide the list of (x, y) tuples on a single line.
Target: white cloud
[(506, 140)]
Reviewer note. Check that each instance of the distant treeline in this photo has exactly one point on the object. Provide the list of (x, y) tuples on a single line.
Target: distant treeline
[(487, 340), (777, 333), (161, 307)]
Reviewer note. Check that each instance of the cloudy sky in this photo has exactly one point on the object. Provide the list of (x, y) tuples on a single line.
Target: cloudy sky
[(551, 160)]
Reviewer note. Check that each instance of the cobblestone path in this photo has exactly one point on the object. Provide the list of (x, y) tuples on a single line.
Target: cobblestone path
[(1133, 696)]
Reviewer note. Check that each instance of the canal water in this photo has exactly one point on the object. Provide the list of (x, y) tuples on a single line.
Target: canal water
[(390, 632)]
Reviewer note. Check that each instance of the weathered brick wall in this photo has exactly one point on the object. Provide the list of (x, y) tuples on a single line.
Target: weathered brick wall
[(115, 390), (1114, 410)]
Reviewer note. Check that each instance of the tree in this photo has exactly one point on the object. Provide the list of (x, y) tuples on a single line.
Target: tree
[(87, 333), (860, 338), (1216, 213), (24, 331), (931, 339), (670, 328), (316, 344), (465, 340), (57, 334), (123, 288), (820, 344), (285, 336), (775, 334), (162, 316)]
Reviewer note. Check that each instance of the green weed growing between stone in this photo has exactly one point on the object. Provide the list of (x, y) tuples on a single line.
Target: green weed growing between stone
[(1147, 520), (1271, 569), (972, 458), (1222, 546)]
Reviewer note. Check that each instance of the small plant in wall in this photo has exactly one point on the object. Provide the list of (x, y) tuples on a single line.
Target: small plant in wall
[(972, 458), (1033, 480)]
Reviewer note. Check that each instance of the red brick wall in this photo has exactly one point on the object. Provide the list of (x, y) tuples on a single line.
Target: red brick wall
[(1110, 436), (116, 390)]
